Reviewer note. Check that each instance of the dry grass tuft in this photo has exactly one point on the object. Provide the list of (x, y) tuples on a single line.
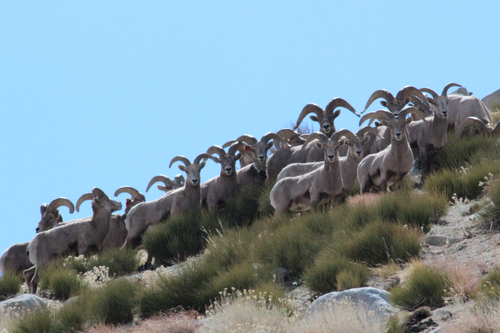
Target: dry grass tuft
[(463, 280), (483, 317), (366, 199)]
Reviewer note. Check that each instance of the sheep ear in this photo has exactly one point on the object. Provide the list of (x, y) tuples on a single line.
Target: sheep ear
[(366, 138), (336, 113), (162, 188), (384, 123), (43, 209), (384, 103), (182, 167), (247, 148), (314, 118), (202, 164), (269, 145)]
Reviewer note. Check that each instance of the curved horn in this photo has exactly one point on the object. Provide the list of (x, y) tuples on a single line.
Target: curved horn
[(61, 202), (476, 123), (160, 178), (429, 91), (180, 159), (336, 102), (448, 86), (85, 197), (364, 130), (180, 178), (309, 108), (381, 93), (343, 133), (410, 109), (287, 133), (229, 143), (268, 136), (315, 135), (248, 139), (127, 189), (410, 90), (216, 150), (204, 155), (98, 193), (380, 115), (237, 146)]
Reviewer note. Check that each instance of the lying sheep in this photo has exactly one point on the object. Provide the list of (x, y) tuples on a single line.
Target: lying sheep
[(320, 186), (78, 235), (15, 259), (428, 135), (169, 184), (186, 198), (378, 171), (216, 191), (325, 117), (254, 175)]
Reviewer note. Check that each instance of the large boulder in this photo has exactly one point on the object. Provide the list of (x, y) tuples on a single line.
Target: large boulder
[(20, 305), (492, 100), (370, 300)]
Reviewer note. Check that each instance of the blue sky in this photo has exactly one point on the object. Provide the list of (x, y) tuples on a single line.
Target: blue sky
[(106, 93)]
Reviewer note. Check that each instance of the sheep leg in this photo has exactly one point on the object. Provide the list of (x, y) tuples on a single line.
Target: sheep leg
[(28, 276), (424, 163), (383, 183)]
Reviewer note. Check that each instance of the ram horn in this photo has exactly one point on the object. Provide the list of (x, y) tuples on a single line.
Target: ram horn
[(364, 130), (61, 202), (85, 197), (202, 156), (180, 178), (343, 133), (336, 102), (216, 150), (381, 93), (237, 146), (98, 193), (474, 122), (410, 90), (410, 109), (179, 159), (429, 91), (380, 115), (313, 136), (309, 108), (248, 139), (229, 143), (448, 86), (287, 133), (160, 178), (128, 189), (268, 136)]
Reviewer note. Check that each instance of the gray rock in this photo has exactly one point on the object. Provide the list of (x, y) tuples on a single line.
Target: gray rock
[(371, 299), (20, 305), (492, 99), (442, 314), (433, 240), (438, 330)]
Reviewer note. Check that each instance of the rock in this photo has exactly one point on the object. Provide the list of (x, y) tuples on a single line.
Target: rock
[(438, 330), (442, 314), (432, 240), (18, 306), (492, 100), (372, 300)]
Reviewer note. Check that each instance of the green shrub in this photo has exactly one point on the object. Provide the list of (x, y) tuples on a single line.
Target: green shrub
[(60, 281), (490, 284), (119, 261), (176, 239), (10, 284), (72, 317), (243, 208), (492, 210), (38, 321), (355, 276), (376, 241), (114, 303), (464, 182), (322, 277), (265, 207), (425, 286)]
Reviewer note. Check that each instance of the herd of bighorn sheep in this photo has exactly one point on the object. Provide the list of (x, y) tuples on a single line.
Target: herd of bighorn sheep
[(310, 170)]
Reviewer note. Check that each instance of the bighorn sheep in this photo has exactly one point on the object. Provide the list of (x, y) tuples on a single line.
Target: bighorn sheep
[(354, 152), (380, 170), (320, 186), (77, 234), (169, 184), (396, 104), (255, 175), (327, 116), (15, 258), (216, 191), (428, 135), (291, 137), (180, 200)]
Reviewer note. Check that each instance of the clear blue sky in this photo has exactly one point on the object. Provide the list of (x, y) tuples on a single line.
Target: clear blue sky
[(106, 93)]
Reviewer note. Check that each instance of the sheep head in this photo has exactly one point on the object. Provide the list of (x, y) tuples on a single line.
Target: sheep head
[(51, 215), (396, 104), (330, 146), (192, 170), (258, 149), (472, 125), (227, 160), (440, 102), (137, 197), (326, 117), (356, 143), (291, 137), (397, 124), (100, 201), (169, 184)]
